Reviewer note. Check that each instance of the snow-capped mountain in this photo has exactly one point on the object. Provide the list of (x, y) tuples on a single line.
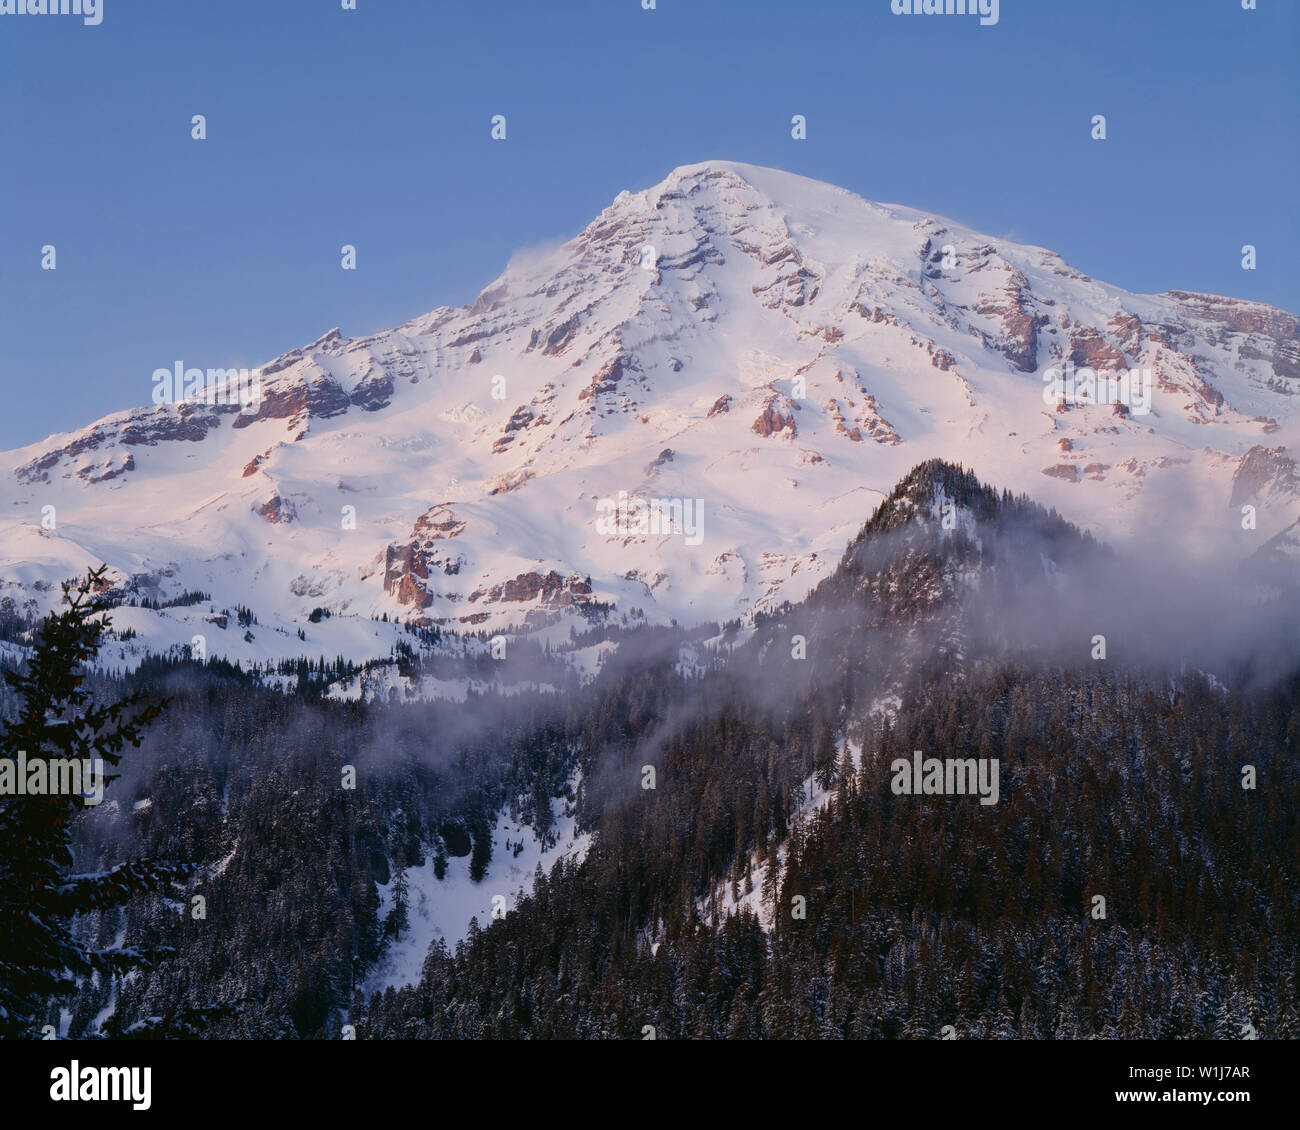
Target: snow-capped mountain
[(766, 353)]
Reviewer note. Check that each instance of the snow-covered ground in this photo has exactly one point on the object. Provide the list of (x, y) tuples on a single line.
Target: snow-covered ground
[(443, 908), (816, 801)]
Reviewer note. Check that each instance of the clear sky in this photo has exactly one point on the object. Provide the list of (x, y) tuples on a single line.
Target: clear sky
[(372, 127)]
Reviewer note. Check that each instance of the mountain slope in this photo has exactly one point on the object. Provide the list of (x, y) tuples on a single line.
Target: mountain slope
[(773, 346)]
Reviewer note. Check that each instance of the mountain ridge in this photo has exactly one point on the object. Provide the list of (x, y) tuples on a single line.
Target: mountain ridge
[(674, 373)]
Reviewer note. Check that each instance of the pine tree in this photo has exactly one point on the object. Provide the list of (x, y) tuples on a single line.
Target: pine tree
[(398, 917), (40, 958)]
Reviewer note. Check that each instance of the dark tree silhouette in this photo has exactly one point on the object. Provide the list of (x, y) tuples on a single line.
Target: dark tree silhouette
[(40, 958)]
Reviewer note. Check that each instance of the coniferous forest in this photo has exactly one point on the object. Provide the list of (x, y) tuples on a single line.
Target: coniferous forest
[(1136, 878)]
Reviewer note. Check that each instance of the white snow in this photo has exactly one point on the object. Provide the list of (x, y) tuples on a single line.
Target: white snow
[(765, 282), (443, 908)]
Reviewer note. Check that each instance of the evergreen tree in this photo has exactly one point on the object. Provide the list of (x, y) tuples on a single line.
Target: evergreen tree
[(40, 957), (398, 916)]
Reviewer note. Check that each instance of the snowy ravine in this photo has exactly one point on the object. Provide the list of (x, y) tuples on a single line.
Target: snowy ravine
[(722, 900), (443, 908)]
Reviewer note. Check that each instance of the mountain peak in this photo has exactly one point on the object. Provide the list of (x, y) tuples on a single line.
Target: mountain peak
[(777, 184), (798, 348)]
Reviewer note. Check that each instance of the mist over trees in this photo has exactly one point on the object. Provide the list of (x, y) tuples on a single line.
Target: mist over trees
[(771, 884)]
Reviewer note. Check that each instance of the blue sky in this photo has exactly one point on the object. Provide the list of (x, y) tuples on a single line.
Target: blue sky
[(371, 127)]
